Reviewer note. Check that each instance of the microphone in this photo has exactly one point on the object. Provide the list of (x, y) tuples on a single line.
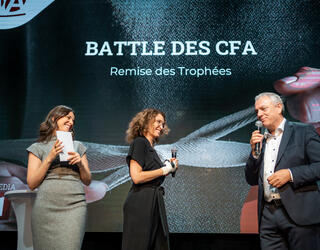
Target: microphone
[(257, 150), (173, 155)]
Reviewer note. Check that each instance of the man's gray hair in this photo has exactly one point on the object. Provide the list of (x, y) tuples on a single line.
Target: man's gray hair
[(274, 98)]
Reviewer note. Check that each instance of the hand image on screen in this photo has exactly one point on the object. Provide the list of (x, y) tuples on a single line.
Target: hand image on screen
[(302, 92)]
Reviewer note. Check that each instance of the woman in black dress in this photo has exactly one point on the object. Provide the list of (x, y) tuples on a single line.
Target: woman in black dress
[(145, 223)]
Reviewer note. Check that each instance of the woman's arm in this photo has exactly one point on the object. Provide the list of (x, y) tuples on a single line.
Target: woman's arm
[(85, 174), (138, 176), (37, 170), (82, 163)]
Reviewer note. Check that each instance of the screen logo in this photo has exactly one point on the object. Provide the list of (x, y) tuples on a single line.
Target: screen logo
[(14, 13)]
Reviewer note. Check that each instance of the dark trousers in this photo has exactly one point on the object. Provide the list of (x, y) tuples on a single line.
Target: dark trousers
[(279, 232)]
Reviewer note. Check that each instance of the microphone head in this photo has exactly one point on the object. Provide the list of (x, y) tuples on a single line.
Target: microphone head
[(258, 124), (174, 153)]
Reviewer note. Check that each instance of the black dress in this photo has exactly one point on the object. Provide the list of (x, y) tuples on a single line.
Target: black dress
[(145, 222)]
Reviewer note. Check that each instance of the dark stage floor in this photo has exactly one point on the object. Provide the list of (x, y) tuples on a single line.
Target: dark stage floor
[(112, 241)]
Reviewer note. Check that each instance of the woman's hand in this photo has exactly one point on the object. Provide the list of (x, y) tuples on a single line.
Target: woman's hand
[(83, 165), (170, 166), (56, 149), (176, 163), (74, 158)]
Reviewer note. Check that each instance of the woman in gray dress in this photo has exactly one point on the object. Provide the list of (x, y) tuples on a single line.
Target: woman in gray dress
[(59, 213)]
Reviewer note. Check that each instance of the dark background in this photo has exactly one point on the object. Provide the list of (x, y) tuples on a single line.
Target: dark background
[(43, 65)]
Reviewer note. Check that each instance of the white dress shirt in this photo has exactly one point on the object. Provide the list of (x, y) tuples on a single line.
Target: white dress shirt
[(270, 158)]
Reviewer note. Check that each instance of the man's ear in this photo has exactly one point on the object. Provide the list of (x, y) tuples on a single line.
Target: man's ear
[(279, 105)]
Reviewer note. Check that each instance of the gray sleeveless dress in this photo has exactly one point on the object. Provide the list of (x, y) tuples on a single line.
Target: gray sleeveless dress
[(59, 213)]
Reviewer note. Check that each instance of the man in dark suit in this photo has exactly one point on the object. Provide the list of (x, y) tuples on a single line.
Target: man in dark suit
[(287, 171)]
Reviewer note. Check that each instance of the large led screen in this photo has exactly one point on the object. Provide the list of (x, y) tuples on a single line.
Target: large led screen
[(200, 62)]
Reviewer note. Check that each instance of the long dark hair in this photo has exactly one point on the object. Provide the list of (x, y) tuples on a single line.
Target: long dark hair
[(139, 124), (49, 126)]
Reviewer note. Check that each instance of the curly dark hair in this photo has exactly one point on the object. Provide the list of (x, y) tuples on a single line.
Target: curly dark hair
[(139, 124), (49, 126)]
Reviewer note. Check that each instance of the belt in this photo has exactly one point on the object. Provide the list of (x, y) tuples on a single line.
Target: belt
[(273, 205), (138, 188), (62, 171)]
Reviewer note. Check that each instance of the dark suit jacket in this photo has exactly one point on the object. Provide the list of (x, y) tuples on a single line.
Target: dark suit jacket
[(300, 152)]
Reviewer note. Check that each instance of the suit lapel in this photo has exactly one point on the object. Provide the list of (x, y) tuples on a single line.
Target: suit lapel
[(262, 160), (284, 141)]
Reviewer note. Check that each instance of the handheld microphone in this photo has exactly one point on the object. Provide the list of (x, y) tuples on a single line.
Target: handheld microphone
[(173, 155), (257, 150)]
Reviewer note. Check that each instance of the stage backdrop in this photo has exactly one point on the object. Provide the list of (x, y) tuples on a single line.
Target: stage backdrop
[(200, 62)]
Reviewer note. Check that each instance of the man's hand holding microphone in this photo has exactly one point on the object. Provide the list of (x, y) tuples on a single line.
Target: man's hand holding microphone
[(256, 140)]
